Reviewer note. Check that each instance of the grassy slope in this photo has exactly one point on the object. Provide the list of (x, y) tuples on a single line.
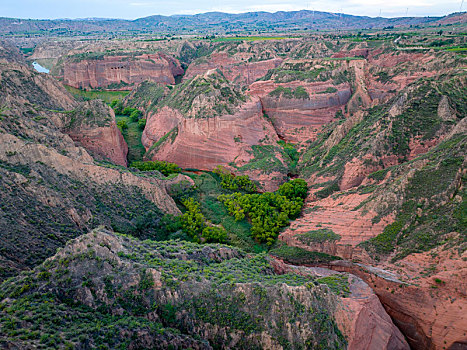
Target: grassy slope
[(106, 96), (132, 136)]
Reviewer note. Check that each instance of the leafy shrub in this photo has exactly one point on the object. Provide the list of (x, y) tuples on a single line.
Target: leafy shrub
[(135, 115), (122, 124), (117, 106), (214, 234), (296, 188), (193, 221), (165, 168), (232, 182), (141, 124), (296, 255)]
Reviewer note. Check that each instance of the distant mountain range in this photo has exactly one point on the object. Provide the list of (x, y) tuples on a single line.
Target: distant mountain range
[(219, 22)]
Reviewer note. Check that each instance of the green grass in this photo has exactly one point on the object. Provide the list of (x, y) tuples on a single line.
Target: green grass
[(318, 236), (106, 96), (132, 136), (299, 256)]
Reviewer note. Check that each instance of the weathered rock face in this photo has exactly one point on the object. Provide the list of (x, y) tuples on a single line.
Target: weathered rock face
[(236, 68), (206, 143), (121, 72), (359, 313), (339, 215), (177, 293), (300, 119), (206, 122), (425, 300), (92, 125)]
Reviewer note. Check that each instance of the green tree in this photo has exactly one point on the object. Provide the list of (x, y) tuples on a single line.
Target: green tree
[(213, 234)]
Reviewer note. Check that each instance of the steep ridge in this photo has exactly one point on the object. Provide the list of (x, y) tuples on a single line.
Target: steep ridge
[(390, 191), (238, 69), (359, 315), (51, 189), (301, 96), (177, 294)]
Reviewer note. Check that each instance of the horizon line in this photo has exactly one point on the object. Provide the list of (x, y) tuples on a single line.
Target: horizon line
[(220, 12)]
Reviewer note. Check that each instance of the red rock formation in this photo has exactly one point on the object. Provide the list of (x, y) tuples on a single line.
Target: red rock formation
[(204, 143), (100, 73), (359, 315), (301, 119), (235, 68), (95, 129), (338, 215), (427, 305), (352, 53)]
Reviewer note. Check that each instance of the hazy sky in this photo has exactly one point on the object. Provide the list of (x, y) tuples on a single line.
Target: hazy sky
[(131, 9)]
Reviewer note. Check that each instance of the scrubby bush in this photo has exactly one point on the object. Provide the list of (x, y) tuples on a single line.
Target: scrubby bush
[(232, 182), (122, 124), (135, 115), (214, 234), (165, 168), (117, 106), (193, 221), (141, 124), (296, 188)]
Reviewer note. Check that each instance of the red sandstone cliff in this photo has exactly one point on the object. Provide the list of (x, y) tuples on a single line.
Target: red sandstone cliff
[(92, 125), (204, 143), (121, 71), (236, 69), (301, 119)]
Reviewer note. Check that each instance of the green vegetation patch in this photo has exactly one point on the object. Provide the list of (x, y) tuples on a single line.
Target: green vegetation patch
[(164, 167), (298, 93), (338, 283), (269, 211), (300, 256), (234, 183), (318, 236), (106, 96)]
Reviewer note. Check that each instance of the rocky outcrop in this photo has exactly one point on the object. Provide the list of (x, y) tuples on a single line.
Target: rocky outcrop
[(300, 119), (121, 72), (206, 143), (178, 294), (205, 122), (237, 69), (359, 313), (339, 215), (427, 306), (92, 125)]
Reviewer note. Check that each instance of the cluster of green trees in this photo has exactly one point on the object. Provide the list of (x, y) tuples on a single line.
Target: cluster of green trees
[(269, 211), (133, 113), (195, 225), (234, 183), (165, 168)]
